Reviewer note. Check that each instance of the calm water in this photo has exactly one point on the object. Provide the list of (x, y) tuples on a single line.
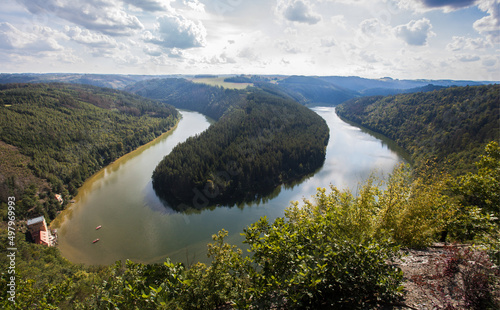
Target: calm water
[(137, 226)]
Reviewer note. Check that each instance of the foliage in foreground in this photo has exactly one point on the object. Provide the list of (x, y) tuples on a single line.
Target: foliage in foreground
[(478, 218), (334, 252)]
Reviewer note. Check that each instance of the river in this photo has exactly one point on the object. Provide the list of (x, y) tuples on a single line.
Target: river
[(137, 226)]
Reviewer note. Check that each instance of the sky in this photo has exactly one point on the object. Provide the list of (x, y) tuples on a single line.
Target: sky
[(405, 39)]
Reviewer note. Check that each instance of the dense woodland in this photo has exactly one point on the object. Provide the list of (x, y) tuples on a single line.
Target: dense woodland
[(450, 126), (183, 94), (54, 136), (262, 142), (313, 90), (336, 251)]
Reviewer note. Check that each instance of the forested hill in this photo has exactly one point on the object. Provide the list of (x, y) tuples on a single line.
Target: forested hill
[(452, 125), (54, 136), (183, 94), (263, 142), (313, 90)]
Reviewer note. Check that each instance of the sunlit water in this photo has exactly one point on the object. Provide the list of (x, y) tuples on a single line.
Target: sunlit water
[(136, 225)]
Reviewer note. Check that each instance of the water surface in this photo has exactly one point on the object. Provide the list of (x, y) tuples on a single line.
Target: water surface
[(136, 225)]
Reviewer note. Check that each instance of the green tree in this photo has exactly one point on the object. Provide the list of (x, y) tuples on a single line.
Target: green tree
[(479, 195)]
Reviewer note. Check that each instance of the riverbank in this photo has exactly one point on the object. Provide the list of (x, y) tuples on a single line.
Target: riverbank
[(137, 225), (113, 166)]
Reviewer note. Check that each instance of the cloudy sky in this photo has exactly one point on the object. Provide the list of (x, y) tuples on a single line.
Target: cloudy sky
[(453, 39)]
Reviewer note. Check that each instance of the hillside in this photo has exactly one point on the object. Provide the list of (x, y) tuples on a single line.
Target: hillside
[(312, 90), (451, 125), (262, 142), (116, 81), (360, 84), (395, 91), (54, 136), (183, 94)]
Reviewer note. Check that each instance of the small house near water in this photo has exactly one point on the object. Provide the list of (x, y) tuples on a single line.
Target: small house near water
[(39, 232)]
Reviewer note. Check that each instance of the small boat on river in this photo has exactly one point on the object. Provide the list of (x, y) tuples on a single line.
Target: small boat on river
[(98, 227), (95, 240)]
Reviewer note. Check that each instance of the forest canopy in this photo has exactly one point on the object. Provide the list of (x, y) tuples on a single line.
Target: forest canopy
[(264, 141), (183, 94), (450, 126), (54, 136)]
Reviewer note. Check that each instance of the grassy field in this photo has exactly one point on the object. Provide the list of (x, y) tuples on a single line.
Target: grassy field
[(219, 81)]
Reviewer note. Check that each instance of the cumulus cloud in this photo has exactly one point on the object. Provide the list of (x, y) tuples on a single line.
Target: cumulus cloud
[(223, 58), (461, 43), (155, 52), (175, 31), (92, 39), (298, 11), (489, 25), (288, 47), (468, 58), (415, 32), (426, 5), (328, 42), (489, 62), (247, 53), (148, 5), (194, 5), (40, 39), (105, 16), (370, 27), (450, 4)]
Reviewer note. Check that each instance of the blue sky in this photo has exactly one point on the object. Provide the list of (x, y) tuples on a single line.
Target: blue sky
[(437, 39)]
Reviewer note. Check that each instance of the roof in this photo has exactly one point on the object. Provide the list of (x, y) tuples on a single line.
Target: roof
[(35, 220)]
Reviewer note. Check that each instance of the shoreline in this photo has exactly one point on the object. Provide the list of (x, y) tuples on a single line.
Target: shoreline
[(59, 219)]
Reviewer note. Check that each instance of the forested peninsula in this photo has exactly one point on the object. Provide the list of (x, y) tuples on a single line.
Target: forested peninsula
[(450, 126), (262, 140), (339, 251), (54, 136)]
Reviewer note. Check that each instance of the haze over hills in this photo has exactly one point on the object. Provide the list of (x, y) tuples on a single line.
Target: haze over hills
[(45, 127), (307, 90), (424, 74)]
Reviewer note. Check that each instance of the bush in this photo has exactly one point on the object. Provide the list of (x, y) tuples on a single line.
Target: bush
[(308, 260)]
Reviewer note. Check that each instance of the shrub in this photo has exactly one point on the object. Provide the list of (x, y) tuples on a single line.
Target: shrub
[(307, 260)]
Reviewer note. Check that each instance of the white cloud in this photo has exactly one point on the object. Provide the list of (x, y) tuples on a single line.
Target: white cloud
[(155, 52), (461, 43), (288, 47), (339, 21), (88, 38), (106, 16), (247, 53), (328, 42), (370, 27), (40, 39), (175, 31), (297, 11), (489, 62), (468, 58), (489, 25), (415, 32), (194, 5), (426, 5), (223, 58), (148, 5)]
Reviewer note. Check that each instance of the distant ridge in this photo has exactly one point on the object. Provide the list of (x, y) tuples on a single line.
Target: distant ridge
[(307, 90)]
